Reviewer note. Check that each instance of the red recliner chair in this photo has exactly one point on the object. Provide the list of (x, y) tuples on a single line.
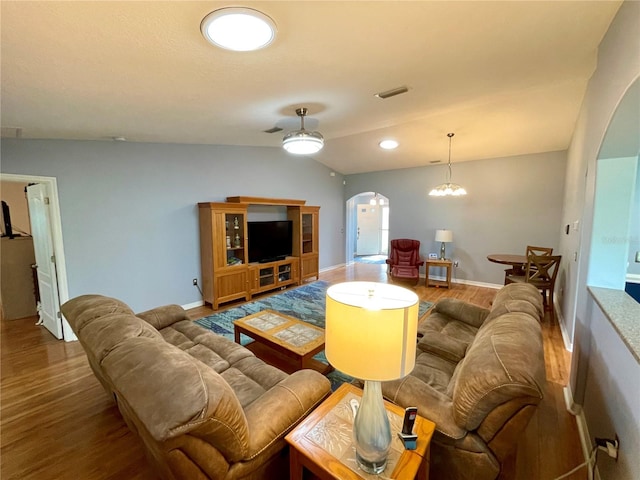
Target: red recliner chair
[(404, 260)]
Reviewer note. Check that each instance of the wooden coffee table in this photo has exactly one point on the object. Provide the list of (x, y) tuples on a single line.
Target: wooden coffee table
[(284, 336), (322, 443)]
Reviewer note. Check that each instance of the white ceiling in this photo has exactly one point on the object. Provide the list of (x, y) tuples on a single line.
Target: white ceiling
[(507, 77)]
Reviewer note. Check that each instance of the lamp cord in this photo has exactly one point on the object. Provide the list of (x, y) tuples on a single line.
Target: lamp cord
[(592, 456)]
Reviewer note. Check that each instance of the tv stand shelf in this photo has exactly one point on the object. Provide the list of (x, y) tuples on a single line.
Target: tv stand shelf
[(226, 272), (268, 276)]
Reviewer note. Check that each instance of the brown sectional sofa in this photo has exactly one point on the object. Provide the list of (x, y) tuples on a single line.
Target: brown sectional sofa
[(479, 376), (204, 407)]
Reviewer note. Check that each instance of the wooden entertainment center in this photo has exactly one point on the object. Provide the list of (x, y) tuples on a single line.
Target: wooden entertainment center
[(226, 273)]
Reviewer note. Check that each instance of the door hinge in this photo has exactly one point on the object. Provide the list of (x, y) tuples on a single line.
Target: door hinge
[(59, 315), (53, 259), (46, 200)]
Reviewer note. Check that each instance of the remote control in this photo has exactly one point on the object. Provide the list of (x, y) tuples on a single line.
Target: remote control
[(409, 419)]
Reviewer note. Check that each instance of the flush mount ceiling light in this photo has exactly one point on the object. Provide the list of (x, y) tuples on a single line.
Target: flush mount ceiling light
[(239, 29), (302, 142), (448, 188), (388, 144)]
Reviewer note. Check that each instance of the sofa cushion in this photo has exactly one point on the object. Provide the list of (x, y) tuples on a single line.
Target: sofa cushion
[(512, 306), (214, 350), (443, 346), (176, 338), (161, 317), (434, 370), (498, 367), (520, 291), (251, 377), (102, 335), (85, 308), (445, 325), (173, 393), (468, 313)]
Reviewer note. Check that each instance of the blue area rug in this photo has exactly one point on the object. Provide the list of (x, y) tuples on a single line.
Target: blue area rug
[(306, 303)]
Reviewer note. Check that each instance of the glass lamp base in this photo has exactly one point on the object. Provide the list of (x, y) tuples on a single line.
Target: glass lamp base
[(442, 251), (375, 468), (371, 430)]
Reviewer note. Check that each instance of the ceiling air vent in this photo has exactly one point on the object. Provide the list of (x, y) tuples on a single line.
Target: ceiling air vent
[(392, 93), (11, 132), (273, 130)]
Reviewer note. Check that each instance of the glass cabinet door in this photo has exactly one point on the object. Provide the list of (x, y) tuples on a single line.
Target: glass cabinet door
[(234, 229), (307, 233)]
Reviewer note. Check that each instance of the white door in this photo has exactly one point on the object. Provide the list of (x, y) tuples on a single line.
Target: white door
[(46, 267), (368, 230)]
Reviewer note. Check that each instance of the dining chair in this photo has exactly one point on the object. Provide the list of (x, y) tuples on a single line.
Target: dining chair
[(541, 271), (531, 250)]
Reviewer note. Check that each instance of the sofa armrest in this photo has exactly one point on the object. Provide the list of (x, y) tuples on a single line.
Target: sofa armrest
[(443, 346), (162, 317), (271, 416), (432, 404), (462, 311)]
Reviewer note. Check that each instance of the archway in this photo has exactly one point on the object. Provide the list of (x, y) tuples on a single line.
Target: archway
[(367, 226)]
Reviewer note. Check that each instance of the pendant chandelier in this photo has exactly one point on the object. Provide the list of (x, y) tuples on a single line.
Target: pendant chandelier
[(302, 142), (448, 188)]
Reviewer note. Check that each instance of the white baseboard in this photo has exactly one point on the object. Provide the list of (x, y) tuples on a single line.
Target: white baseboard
[(563, 329), (333, 267), (583, 431), (572, 407), (193, 305), (495, 286)]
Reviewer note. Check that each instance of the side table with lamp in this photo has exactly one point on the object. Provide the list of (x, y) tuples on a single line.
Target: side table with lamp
[(370, 334), (444, 237)]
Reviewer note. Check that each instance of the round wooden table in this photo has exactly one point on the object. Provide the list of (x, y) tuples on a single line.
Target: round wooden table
[(518, 262)]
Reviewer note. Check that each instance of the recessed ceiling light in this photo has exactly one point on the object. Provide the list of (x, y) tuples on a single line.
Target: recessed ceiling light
[(388, 144), (239, 29)]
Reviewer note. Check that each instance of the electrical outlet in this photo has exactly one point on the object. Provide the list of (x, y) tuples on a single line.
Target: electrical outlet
[(455, 264), (195, 281), (610, 446)]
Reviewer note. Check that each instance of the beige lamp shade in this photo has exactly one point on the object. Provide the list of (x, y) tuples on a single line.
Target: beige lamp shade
[(371, 330), (444, 236)]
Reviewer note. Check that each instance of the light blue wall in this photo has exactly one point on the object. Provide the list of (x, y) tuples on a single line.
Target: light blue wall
[(615, 185), (129, 214), (634, 228), (610, 402), (512, 202)]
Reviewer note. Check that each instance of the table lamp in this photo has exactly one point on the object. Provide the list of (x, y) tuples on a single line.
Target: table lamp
[(370, 334), (444, 236)]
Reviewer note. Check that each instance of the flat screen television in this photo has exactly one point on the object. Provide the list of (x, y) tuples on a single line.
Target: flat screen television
[(270, 241)]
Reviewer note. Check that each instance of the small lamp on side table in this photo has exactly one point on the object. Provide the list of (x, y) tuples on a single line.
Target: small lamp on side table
[(370, 334), (444, 236)]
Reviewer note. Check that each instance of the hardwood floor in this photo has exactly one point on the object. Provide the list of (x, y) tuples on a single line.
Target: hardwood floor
[(56, 421)]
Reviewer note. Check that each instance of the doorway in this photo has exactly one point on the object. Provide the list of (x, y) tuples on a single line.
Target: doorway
[(367, 227), (52, 236)]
